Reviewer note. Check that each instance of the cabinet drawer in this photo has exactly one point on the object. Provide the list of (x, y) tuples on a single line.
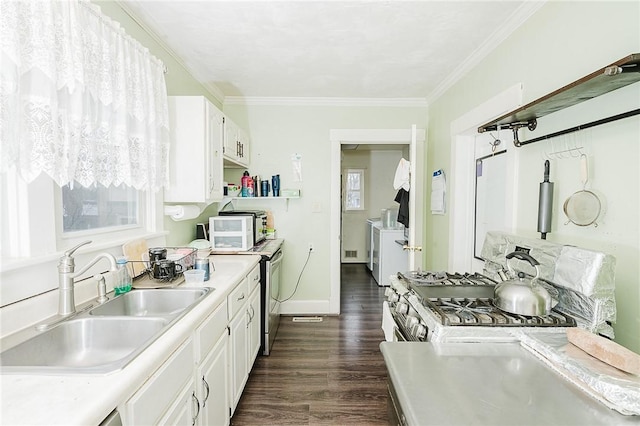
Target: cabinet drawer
[(238, 298), (153, 399), (211, 329), (254, 278)]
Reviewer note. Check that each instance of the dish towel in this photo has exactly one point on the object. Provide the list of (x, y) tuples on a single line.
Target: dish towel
[(402, 198), (401, 179)]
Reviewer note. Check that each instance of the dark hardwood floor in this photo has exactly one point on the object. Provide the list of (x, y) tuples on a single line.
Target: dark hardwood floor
[(324, 373)]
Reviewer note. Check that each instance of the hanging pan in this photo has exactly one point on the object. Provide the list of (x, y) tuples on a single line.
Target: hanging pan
[(583, 207)]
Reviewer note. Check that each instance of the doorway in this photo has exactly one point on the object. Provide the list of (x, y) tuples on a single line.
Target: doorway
[(372, 138), (367, 188)]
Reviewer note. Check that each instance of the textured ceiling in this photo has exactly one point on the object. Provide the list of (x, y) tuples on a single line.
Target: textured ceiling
[(343, 49)]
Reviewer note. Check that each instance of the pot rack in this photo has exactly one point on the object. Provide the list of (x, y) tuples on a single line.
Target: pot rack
[(621, 73)]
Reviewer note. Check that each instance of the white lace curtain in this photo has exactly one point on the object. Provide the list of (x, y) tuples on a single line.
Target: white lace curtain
[(79, 99)]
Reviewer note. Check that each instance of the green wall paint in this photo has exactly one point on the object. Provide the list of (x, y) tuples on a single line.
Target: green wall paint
[(562, 42)]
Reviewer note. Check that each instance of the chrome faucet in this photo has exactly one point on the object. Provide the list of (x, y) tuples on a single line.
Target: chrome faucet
[(67, 276)]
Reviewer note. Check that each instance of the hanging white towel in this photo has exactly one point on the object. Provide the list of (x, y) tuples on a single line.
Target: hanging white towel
[(401, 179)]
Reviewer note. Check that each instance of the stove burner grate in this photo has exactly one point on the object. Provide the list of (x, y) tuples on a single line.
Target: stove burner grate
[(481, 312), (427, 278)]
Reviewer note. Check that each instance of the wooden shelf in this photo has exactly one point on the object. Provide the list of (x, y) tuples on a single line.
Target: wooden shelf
[(607, 79)]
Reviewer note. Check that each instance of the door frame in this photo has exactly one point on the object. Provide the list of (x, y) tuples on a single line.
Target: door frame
[(463, 136), (338, 137)]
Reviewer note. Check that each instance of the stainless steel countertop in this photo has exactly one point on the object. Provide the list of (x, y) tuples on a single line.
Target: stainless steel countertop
[(487, 384)]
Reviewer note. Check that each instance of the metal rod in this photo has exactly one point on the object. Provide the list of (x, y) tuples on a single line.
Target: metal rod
[(583, 126)]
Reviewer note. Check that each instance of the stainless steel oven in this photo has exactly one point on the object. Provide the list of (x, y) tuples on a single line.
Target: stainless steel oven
[(271, 299)]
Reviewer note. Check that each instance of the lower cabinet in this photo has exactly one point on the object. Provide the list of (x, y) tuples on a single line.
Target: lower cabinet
[(212, 382), (185, 410), (238, 345), (253, 334), (244, 326), (202, 381), (161, 397), (212, 369)]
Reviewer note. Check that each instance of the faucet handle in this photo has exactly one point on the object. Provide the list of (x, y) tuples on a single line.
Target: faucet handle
[(69, 252), (102, 288)]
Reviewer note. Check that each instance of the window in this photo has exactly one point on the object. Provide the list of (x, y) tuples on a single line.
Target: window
[(98, 207), (354, 190)]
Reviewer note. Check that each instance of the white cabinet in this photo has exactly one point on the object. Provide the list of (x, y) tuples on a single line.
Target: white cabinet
[(238, 348), (185, 410), (202, 381), (388, 256), (236, 145), (162, 396), (212, 371), (244, 342), (254, 315), (196, 159), (212, 381)]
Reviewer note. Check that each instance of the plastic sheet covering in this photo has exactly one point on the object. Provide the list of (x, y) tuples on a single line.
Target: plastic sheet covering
[(615, 388), (584, 279)]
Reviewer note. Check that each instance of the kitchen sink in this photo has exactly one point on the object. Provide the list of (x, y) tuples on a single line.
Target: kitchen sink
[(84, 345), (151, 302), (106, 338)]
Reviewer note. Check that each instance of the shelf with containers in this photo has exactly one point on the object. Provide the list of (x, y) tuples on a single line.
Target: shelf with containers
[(227, 200)]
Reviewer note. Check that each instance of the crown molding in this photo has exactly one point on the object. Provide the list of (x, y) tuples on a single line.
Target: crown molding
[(517, 18), (319, 101), (214, 90)]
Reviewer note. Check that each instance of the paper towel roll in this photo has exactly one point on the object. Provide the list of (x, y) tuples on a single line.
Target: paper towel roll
[(182, 212)]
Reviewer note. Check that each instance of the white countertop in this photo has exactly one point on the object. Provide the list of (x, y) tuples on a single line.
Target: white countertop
[(486, 384), (85, 399)]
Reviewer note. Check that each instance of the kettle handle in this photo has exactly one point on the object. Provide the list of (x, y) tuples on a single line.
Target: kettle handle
[(522, 256)]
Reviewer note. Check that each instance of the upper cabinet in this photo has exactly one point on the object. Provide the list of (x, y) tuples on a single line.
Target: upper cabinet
[(236, 145), (196, 162)]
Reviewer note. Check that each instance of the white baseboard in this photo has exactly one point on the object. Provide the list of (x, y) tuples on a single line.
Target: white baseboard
[(307, 307)]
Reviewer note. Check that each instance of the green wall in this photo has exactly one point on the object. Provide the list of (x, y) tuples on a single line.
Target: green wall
[(561, 43)]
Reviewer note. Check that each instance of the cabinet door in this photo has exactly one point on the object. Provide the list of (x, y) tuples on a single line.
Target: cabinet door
[(244, 147), (231, 142), (253, 334), (150, 403), (212, 381), (186, 409), (216, 167), (194, 158), (238, 355)]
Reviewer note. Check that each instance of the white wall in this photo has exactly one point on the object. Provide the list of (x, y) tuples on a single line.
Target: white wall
[(561, 43), (277, 132)]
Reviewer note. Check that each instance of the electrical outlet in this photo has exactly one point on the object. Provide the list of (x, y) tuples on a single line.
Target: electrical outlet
[(310, 247)]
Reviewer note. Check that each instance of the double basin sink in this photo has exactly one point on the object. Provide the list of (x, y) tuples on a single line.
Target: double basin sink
[(105, 338)]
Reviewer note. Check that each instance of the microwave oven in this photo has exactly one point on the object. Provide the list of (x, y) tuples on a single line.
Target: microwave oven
[(259, 221)]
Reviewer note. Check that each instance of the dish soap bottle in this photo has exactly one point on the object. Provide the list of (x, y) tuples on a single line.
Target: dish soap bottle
[(123, 279)]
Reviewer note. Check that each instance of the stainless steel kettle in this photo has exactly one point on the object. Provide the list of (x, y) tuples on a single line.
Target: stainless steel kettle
[(523, 296)]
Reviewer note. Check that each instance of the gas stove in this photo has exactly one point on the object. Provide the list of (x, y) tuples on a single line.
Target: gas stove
[(446, 307)]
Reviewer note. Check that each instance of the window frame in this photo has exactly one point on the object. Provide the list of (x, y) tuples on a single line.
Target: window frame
[(361, 191), (32, 223), (66, 238)]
